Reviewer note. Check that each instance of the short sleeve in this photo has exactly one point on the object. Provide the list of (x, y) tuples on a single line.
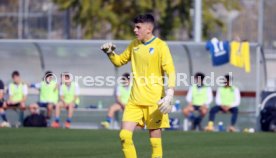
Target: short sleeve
[(77, 89), (60, 91)]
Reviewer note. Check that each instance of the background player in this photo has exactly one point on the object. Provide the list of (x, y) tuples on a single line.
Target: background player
[(227, 100), (18, 92), (199, 97), (122, 94), (48, 97), (2, 110), (69, 98)]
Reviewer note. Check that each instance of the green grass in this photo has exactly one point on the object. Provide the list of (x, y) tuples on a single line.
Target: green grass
[(61, 143)]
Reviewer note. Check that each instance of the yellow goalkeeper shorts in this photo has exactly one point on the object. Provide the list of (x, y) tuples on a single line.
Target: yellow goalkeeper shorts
[(146, 115)]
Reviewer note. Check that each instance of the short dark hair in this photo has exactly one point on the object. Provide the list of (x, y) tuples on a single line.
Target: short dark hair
[(48, 74), (228, 77), (15, 73), (66, 74), (144, 18), (126, 76), (200, 75)]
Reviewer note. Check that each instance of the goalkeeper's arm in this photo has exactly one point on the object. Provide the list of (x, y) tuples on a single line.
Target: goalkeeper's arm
[(165, 104)]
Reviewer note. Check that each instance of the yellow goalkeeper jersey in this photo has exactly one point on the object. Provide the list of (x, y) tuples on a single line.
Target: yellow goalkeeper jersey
[(240, 55), (150, 62)]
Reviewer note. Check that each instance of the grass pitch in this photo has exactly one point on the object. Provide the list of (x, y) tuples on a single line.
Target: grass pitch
[(61, 143)]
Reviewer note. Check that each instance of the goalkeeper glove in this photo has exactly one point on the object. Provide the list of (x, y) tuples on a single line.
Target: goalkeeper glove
[(165, 105), (108, 47)]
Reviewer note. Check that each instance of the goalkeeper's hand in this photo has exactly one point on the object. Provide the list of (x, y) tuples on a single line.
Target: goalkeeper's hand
[(108, 47), (165, 104)]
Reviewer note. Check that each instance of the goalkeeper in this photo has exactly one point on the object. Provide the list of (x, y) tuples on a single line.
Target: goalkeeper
[(148, 104)]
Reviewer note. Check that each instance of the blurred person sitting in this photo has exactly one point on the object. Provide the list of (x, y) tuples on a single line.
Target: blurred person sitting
[(122, 93), (18, 92), (199, 97), (227, 100), (48, 93), (2, 110), (35, 119), (69, 99)]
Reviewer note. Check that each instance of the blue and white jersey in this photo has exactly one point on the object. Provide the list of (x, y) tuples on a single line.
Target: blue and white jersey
[(219, 51)]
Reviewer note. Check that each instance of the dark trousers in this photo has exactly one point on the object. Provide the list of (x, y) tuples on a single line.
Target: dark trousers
[(234, 111)]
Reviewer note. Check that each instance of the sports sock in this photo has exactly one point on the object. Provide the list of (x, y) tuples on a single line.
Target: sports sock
[(108, 119), (3, 115), (68, 120), (21, 117), (191, 116), (198, 120), (57, 119), (156, 144)]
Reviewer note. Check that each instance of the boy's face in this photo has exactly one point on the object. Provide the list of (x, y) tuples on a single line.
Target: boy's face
[(16, 79), (198, 80), (66, 79), (125, 82), (49, 78), (142, 30), (226, 82)]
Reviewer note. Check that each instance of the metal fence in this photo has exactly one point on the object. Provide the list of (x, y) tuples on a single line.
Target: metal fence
[(32, 19)]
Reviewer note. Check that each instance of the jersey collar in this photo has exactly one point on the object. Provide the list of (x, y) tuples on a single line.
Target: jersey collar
[(148, 42)]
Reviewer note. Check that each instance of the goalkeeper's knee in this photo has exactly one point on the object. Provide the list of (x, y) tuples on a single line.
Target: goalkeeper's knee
[(126, 138), (127, 144)]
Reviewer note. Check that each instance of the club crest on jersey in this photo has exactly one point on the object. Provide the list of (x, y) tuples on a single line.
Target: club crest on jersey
[(151, 50)]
